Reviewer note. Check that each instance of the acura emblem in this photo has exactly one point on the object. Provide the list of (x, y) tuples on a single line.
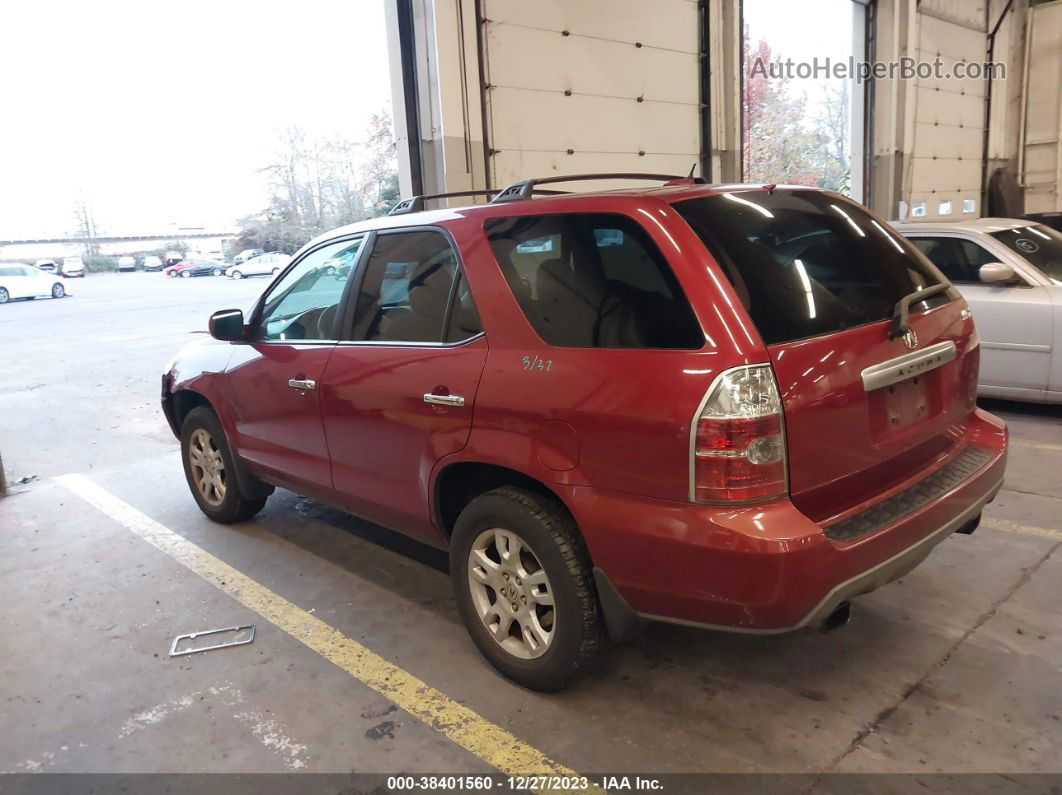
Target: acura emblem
[(910, 339)]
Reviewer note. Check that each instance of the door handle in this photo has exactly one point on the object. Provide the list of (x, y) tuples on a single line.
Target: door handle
[(444, 400), (302, 383)]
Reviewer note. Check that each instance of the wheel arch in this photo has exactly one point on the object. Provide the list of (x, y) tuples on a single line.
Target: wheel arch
[(460, 482)]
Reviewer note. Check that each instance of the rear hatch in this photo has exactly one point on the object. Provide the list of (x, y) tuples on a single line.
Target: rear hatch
[(866, 406)]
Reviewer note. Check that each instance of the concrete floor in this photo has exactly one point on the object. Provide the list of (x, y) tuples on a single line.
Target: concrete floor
[(958, 668)]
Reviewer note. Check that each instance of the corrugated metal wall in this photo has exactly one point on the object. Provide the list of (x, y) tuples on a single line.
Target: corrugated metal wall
[(590, 86)]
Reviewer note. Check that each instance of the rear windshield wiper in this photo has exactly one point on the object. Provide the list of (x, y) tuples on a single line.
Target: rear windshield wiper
[(900, 325)]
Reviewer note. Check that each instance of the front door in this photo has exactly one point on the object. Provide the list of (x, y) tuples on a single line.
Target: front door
[(1014, 321), (398, 392), (275, 378)]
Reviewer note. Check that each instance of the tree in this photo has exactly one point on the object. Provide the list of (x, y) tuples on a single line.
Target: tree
[(776, 146), (317, 184), (833, 154)]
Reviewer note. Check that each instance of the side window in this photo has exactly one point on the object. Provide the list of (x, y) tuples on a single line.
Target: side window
[(960, 260), (304, 303), (406, 290), (593, 281)]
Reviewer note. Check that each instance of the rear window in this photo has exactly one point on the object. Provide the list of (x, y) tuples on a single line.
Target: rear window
[(593, 281), (806, 263)]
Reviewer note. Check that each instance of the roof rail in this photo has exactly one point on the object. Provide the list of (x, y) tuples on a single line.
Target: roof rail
[(524, 189), (414, 204)]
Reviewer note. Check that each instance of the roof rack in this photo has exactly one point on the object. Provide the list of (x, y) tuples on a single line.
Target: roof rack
[(414, 204), (527, 187)]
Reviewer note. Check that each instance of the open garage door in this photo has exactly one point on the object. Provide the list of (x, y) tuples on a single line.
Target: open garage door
[(598, 85)]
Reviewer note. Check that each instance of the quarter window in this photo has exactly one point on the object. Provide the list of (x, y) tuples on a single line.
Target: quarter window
[(406, 292), (303, 304), (593, 281)]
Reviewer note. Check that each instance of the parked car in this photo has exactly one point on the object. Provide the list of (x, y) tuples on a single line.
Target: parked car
[(152, 263), (172, 257), (47, 265), (1010, 272), (126, 263), (735, 407), (25, 281), (264, 265), (195, 267), (73, 267), (246, 254), (1051, 219)]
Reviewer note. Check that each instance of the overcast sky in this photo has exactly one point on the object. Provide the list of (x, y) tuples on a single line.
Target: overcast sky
[(162, 113)]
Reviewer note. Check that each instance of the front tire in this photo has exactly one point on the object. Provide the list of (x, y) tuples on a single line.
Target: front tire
[(210, 469), (521, 576), (186, 274), (58, 291), (237, 275), (5, 296)]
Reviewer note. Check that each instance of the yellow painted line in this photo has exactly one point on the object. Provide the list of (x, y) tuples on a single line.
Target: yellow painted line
[(468, 729), (1008, 526), (1045, 446)]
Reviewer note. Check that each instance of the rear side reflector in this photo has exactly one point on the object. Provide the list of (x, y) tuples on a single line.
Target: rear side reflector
[(737, 447)]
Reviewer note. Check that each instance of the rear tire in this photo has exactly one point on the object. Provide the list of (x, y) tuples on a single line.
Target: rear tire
[(210, 469), (534, 614), (5, 296), (218, 271)]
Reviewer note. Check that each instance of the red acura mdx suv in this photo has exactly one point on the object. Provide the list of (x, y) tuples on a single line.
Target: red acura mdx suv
[(734, 407)]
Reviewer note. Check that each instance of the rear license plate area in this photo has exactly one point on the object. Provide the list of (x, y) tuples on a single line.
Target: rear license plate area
[(904, 405)]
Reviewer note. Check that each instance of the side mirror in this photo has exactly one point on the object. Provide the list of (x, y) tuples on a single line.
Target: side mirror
[(997, 273), (227, 325)]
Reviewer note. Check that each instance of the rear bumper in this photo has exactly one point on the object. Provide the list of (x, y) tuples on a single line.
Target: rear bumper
[(769, 568)]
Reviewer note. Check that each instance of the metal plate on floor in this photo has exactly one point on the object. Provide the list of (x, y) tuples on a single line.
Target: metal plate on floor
[(217, 639)]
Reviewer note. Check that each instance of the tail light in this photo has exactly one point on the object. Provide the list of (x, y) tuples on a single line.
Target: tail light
[(737, 447)]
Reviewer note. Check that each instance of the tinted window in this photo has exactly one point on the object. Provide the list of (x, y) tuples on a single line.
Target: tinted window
[(593, 281), (10, 271), (1038, 244), (406, 290), (806, 263), (960, 260), (303, 304)]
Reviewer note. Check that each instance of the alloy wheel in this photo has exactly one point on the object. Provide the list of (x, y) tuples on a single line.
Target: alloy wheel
[(208, 467), (4, 295), (58, 291), (511, 593)]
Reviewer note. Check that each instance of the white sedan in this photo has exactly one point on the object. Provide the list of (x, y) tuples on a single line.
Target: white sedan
[(269, 264), (1010, 273), (25, 281)]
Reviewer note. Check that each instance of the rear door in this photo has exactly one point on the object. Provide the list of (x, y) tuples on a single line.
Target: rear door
[(820, 278), (13, 278), (398, 391)]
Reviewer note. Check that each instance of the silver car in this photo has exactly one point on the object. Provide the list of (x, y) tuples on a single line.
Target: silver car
[(1010, 273)]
